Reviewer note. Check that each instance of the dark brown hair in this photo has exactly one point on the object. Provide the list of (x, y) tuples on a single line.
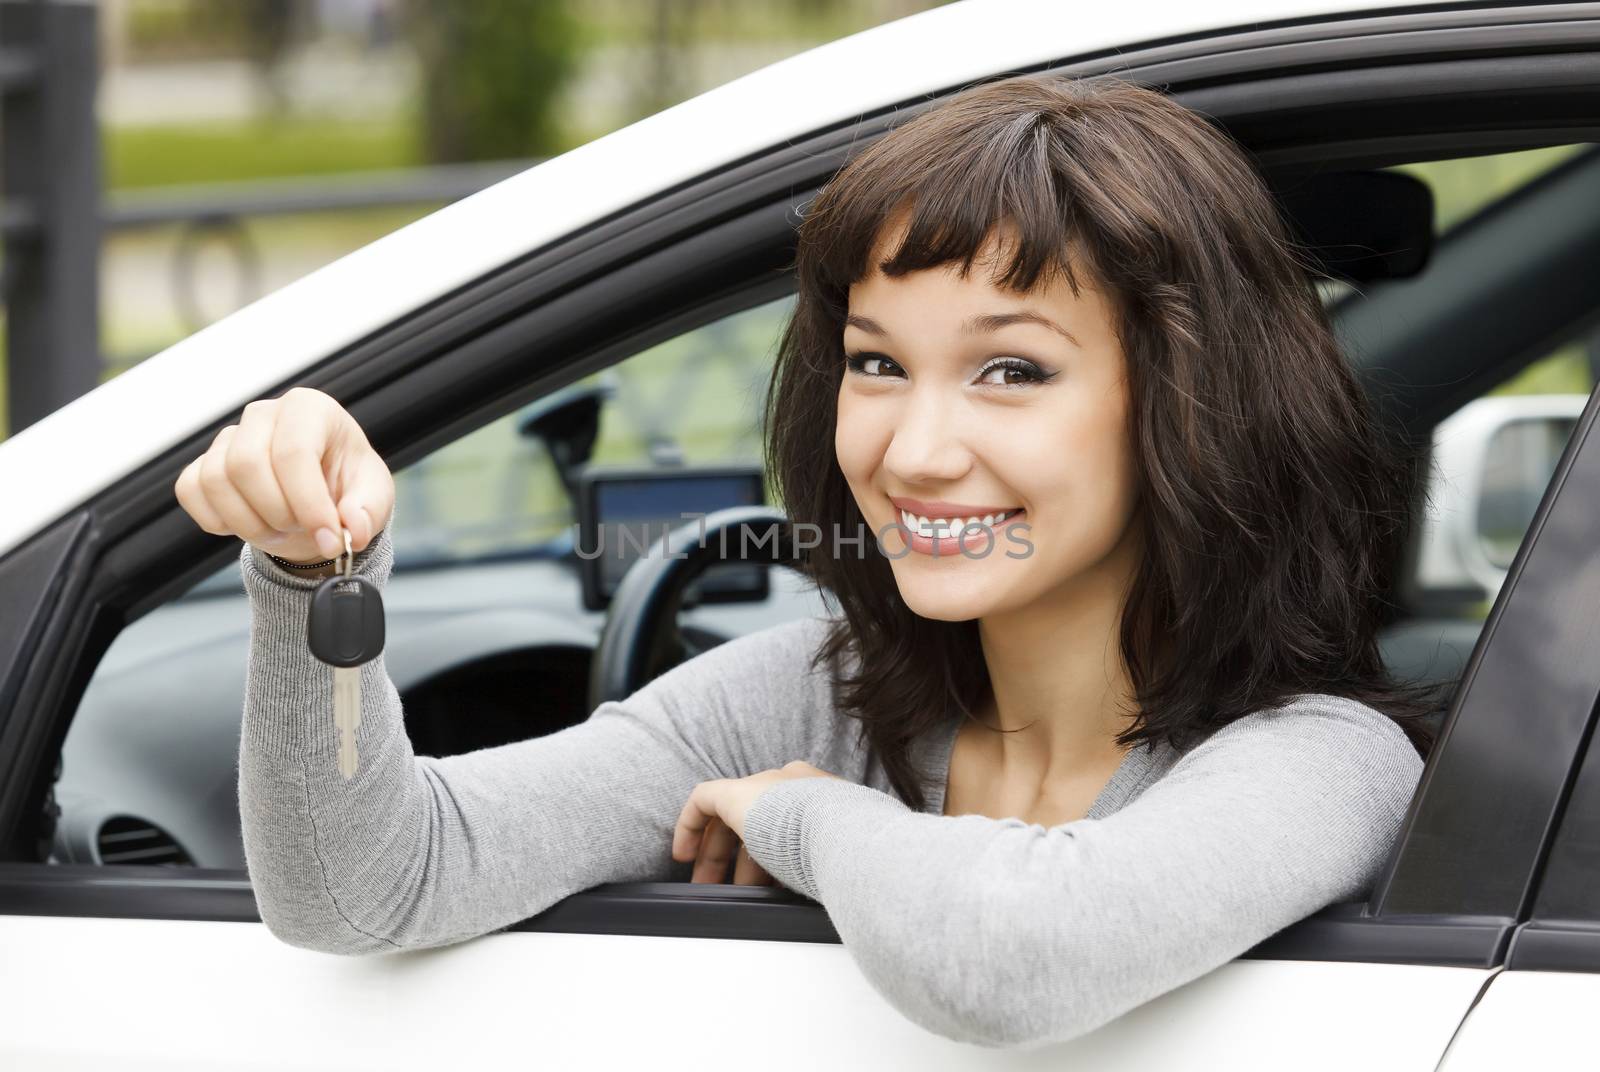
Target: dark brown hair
[(1272, 506)]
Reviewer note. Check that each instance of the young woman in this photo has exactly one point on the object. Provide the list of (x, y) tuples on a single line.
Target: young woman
[(1104, 705)]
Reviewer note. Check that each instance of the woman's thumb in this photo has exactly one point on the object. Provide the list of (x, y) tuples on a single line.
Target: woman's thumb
[(354, 516), (366, 507)]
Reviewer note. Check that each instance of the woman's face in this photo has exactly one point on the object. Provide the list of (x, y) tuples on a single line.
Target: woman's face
[(947, 414)]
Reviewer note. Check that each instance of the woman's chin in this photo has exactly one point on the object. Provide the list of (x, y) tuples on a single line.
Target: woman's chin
[(947, 601)]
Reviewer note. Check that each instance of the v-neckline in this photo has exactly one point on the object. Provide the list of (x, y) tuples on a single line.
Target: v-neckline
[(1137, 764)]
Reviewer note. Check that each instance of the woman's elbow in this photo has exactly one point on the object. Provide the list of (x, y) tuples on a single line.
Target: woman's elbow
[(337, 938), (994, 1027), (994, 1009), (1001, 1023)]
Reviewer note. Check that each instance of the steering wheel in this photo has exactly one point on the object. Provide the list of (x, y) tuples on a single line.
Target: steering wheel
[(641, 639)]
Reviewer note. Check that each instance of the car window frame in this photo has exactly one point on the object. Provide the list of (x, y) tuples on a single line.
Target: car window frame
[(1562, 929), (1562, 932), (131, 548)]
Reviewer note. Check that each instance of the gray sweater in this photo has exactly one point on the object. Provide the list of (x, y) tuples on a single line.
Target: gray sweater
[(991, 931)]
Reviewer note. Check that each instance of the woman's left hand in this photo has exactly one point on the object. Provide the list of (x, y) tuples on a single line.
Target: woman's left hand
[(712, 822)]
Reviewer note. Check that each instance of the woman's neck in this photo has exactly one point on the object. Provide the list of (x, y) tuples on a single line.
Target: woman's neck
[(1056, 668)]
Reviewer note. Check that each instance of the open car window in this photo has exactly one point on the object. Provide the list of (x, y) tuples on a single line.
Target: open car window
[(1491, 460), (483, 535)]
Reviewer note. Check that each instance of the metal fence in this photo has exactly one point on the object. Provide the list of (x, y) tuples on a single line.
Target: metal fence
[(54, 218), (49, 217)]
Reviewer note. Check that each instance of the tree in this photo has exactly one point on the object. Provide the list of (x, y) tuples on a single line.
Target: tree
[(492, 72)]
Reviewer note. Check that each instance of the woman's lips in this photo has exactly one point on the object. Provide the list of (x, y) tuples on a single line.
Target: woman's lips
[(974, 540)]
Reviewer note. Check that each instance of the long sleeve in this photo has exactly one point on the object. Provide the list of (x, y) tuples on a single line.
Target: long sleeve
[(1007, 934), (419, 851)]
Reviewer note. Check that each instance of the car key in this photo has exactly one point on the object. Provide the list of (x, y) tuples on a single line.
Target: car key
[(345, 630)]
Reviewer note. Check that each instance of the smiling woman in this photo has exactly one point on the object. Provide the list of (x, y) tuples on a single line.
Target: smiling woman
[(1111, 662), (1077, 300)]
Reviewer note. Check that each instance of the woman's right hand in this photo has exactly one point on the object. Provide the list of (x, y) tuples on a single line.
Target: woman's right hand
[(288, 476)]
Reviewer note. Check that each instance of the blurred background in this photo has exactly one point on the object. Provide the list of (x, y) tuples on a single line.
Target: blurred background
[(167, 161), (164, 162)]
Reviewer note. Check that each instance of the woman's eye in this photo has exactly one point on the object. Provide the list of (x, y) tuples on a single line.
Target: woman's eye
[(1024, 373), (870, 364), (1027, 373)]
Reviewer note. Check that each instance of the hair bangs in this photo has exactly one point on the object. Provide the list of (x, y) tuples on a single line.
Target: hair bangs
[(948, 201)]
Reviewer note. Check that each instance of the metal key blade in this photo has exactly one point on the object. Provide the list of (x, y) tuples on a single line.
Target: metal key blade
[(347, 715), (344, 628)]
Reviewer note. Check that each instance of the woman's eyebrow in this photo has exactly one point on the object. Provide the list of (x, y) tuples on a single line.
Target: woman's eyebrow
[(973, 325)]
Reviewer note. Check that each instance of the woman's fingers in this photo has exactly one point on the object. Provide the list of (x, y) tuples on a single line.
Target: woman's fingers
[(192, 497), (691, 825), (701, 835), (716, 853), (237, 514), (249, 466), (288, 477), (746, 872), (367, 500), (300, 440)]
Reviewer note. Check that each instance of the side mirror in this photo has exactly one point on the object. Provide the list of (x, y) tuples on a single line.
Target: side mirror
[(1518, 462), (1492, 460)]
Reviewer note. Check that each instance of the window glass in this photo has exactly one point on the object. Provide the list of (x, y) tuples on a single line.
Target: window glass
[(1518, 463), (1466, 185), (695, 397), (1491, 460)]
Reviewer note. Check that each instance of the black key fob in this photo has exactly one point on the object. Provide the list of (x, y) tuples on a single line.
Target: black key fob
[(345, 626)]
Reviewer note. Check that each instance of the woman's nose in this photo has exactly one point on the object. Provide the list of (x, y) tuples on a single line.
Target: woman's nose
[(927, 445)]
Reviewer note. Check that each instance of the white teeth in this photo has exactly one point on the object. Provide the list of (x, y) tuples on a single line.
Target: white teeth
[(947, 527)]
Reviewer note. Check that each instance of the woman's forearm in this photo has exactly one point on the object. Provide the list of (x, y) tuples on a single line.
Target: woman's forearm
[(1008, 934), (418, 851)]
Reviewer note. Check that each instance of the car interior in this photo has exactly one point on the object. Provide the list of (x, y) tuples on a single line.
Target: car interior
[(490, 594)]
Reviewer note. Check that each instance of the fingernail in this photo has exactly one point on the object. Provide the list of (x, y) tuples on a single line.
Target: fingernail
[(327, 542)]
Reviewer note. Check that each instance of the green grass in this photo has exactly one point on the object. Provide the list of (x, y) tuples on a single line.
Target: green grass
[(149, 156), (732, 23)]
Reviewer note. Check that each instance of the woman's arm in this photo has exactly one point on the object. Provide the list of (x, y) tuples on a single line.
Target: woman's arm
[(419, 851), (1003, 933)]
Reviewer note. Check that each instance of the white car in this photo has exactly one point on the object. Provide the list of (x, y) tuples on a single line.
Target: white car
[(618, 304)]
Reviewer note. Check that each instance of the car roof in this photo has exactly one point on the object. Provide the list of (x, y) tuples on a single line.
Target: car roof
[(52, 466)]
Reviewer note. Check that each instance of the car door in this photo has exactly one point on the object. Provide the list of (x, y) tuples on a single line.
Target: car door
[(175, 970), (1538, 1012)]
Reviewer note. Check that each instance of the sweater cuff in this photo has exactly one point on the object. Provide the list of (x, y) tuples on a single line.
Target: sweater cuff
[(289, 691), (372, 562), (789, 824)]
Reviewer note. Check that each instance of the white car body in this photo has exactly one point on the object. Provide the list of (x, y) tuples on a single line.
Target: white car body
[(577, 1000), (604, 1001)]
